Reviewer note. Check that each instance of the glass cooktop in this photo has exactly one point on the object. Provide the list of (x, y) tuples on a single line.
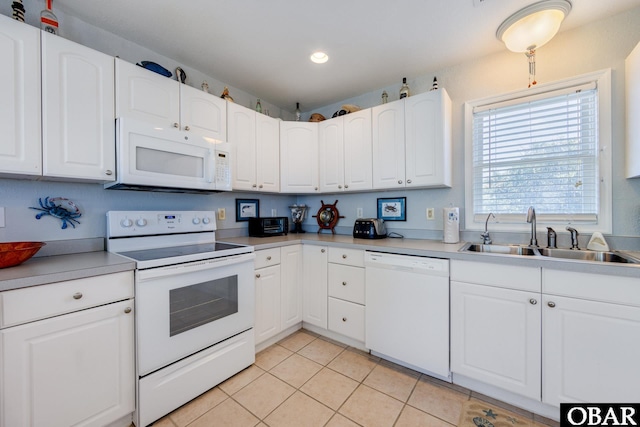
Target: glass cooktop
[(208, 250)]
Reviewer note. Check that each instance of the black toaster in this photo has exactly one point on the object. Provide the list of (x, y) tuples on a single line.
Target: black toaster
[(369, 228)]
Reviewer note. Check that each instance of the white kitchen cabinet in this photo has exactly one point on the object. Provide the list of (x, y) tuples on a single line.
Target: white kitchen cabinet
[(495, 336), (346, 292), (412, 142), (267, 323), (299, 157), (20, 123), (255, 139), (314, 285), (632, 110), (153, 98), (71, 369), (78, 128), (345, 152), (291, 269), (590, 348)]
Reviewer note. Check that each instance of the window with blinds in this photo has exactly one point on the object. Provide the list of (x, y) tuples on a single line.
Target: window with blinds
[(539, 150)]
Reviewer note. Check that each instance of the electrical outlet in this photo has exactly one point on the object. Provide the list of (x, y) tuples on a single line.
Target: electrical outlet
[(274, 212), (2, 223), (431, 214), (359, 213), (222, 214)]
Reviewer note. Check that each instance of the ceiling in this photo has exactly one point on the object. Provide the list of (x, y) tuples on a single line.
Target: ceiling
[(263, 47)]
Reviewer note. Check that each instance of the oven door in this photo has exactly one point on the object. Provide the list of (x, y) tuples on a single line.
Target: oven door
[(168, 158), (184, 308)]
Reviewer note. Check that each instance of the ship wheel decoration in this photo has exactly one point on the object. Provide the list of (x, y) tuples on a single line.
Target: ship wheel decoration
[(328, 216)]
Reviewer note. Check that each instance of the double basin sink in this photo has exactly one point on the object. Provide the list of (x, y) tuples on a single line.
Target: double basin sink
[(570, 254)]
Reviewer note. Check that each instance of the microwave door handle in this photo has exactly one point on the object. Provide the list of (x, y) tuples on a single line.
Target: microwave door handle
[(209, 164)]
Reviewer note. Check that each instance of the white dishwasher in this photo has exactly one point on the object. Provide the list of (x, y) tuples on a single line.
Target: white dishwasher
[(407, 311)]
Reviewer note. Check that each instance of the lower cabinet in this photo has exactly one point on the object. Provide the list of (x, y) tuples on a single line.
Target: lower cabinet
[(72, 369), (314, 285), (267, 323), (346, 291)]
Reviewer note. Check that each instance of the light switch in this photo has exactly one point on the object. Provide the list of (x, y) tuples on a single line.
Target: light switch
[(222, 214)]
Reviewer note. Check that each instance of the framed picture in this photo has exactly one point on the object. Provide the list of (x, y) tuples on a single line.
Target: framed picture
[(247, 208), (393, 209)]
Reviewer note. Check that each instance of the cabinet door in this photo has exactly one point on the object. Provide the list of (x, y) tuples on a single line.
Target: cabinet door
[(291, 285), (268, 150), (358, 151), (314, 291), (77, 111), (76, 369), (242, 137), (388, 145), (146, 96), (495, 337), (299, 157), (202, 113), (20, 150), (632, 111), (267, 303), (590, 351), (331, 154), (428, 139)]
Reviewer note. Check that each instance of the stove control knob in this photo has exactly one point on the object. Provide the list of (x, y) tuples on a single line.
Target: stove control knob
[(126, 223), (196, 221), (141, 222), (206, 220)]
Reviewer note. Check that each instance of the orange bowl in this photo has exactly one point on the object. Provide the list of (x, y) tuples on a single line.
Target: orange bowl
[(14, 253)]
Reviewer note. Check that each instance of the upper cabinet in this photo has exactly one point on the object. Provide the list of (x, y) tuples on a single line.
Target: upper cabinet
[(255, 140), (153, 98), (299, 157), (345, 153), (78, 116), (20, 150), (632, 70), (412, 142)]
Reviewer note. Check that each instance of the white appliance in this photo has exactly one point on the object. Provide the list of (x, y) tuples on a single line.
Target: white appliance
[(407, 303), (194, 301), (153, 158)]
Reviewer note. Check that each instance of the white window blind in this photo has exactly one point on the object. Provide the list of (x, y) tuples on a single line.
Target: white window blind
[(540, 150)]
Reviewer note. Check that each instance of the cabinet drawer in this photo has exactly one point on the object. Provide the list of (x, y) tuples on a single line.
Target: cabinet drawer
[(597, 287), (500, 275), (354, 257), (346, 318), (39, 302), (267, 257), (346, 282)]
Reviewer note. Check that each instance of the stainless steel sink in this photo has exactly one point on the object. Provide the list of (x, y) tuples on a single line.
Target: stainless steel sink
[(499, 249), (586, 255), (569, 254)]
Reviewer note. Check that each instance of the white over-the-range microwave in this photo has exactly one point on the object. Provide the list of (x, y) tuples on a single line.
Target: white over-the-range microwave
[(155, 158)]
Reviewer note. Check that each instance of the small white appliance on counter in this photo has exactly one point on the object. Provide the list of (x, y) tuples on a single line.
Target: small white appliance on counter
[(194, 300), (151, 158)]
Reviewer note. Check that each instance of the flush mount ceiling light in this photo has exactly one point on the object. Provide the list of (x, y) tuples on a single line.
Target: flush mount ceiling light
[(532, 27), (319, 57)]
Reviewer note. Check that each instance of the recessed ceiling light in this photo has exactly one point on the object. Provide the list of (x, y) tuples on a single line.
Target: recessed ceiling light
[(319, 57)]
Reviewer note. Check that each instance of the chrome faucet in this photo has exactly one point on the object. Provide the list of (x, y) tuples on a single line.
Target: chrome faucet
[(551, 238), (574, 237), (486, 239), (531, 218)]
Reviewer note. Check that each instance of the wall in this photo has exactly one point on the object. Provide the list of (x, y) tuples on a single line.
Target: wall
[(603, 44)]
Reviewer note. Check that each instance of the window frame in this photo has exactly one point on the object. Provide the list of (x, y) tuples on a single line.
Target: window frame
[(510, 222)]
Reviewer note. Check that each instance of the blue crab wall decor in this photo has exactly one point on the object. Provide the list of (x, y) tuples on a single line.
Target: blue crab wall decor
[(56, 208)]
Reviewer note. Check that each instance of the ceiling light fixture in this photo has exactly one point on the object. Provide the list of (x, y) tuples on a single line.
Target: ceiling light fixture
[(532, 27), (319, 57)]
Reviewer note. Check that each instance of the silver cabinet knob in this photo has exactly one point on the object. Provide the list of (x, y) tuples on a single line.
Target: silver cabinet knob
[(257, 275), (108, 172), (127, 310), (77, 295), (187, 128), (176, 125), (551, 304), (340, 187), (269, 258), (344, 319), (254, 186), (533, 301), (346, 186), (344, 283), (344, 256), (315, 188), (408, 181), (399, 181), (322, 250), (260, 186)]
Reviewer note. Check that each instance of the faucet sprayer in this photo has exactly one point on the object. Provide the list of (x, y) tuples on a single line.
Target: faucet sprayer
[(531, 218)]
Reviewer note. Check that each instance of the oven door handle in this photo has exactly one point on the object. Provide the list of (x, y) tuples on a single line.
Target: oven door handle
[(207, 264)]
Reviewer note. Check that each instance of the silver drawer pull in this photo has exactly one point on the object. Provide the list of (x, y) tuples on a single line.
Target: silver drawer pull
[(127, 310), (258, 276), (187, 128), (322, 250), (551, 304), (77, 295), (344, 256), (268, 258), (108, 172), (344, 319), (533, 301), (344, 283)]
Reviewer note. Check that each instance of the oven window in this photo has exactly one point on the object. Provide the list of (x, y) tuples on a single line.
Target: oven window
[(202, 303)]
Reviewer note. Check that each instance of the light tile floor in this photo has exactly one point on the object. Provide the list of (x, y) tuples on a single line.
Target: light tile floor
[(308, 380)]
